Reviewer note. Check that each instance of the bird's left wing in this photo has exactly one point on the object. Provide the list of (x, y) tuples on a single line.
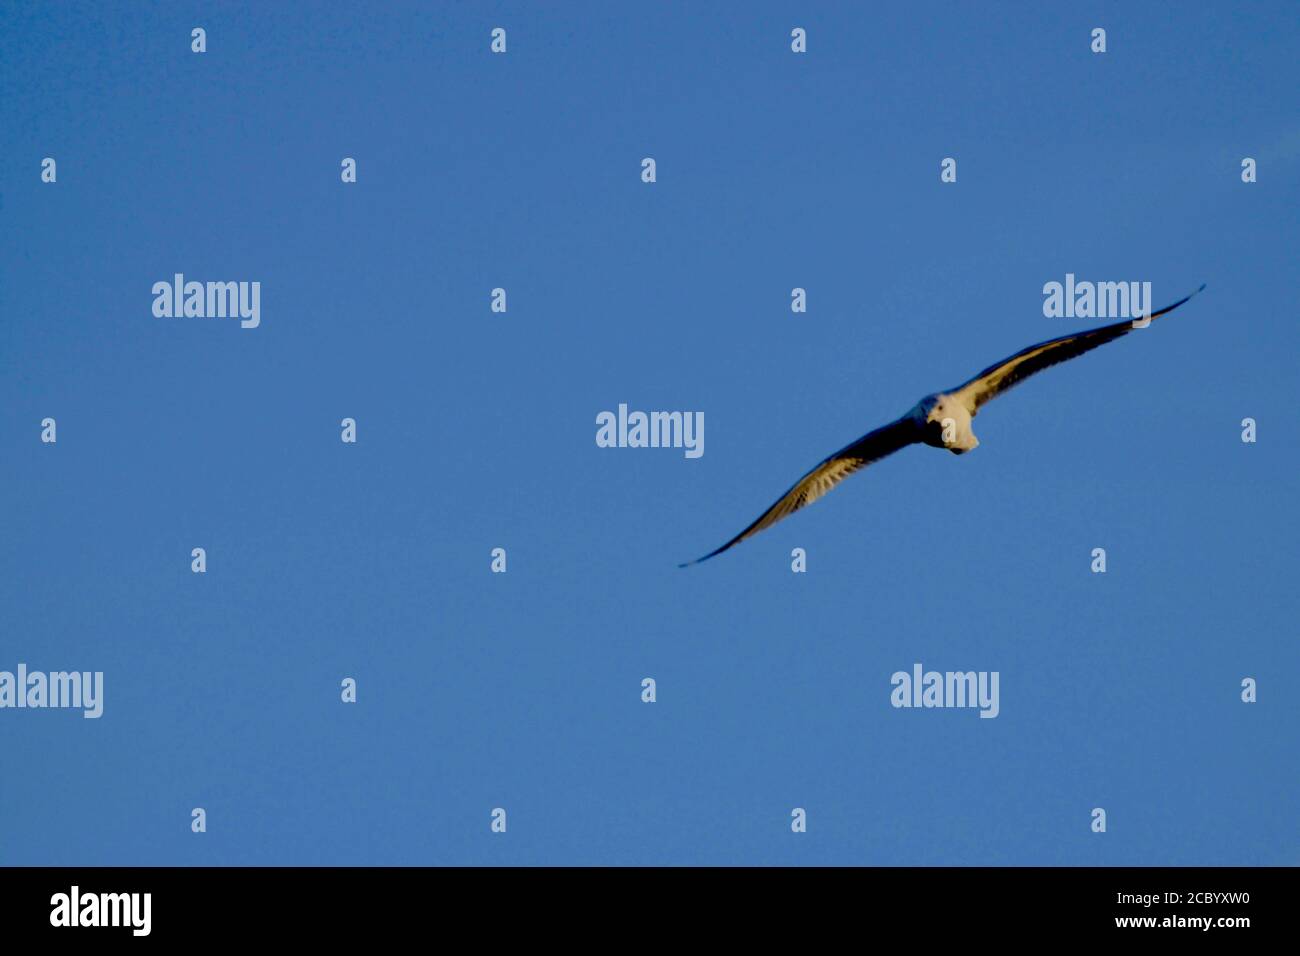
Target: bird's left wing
[(870, 447), (996, 379)]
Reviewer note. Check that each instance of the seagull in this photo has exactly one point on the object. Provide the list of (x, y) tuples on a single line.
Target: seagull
[(941, 420)]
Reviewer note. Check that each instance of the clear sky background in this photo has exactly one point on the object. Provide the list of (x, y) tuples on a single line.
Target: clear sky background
[(477, 430)]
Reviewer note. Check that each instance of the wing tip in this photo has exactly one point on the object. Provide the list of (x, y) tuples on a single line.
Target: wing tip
[(713, 553), (687, 564), (1169, 308)]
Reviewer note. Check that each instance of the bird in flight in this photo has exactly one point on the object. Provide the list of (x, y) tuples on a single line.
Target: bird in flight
[(941, 420)]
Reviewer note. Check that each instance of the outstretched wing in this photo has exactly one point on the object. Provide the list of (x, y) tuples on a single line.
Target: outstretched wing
[(870, 447), (996, 379)]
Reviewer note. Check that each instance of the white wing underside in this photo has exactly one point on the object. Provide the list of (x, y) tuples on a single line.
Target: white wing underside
[(872, 446), (1011, 371)]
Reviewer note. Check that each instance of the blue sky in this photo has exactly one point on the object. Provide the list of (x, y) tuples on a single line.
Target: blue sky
[(476, 430)]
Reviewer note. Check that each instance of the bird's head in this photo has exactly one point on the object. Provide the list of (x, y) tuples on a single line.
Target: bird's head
[(945, 423)]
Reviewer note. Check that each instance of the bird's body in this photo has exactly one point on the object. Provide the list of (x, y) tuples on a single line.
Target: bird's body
[(941, 420)]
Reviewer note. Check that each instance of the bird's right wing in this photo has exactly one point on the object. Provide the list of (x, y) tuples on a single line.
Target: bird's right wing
[(996, 379), (870, 447)]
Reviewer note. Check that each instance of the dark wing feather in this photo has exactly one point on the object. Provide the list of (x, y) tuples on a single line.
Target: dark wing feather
[(996, 379), (870, 447)]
